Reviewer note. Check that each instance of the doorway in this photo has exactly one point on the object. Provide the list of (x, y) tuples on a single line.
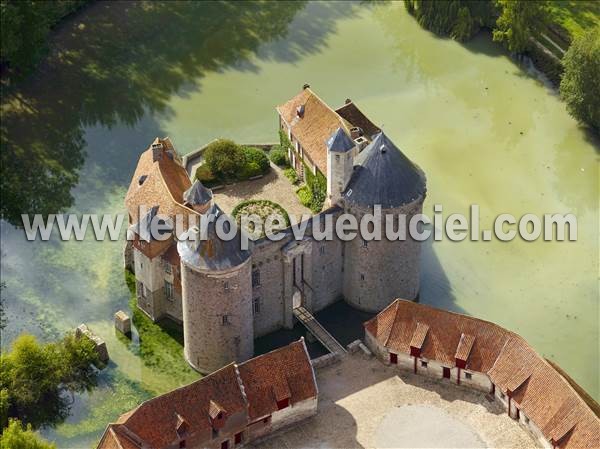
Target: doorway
[(446, 372)]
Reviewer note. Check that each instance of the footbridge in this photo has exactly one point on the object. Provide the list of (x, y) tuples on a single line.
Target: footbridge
[(318, 331)]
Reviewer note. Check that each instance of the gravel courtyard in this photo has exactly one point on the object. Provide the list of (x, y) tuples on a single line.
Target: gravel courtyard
[(363, 403), (273, 186)]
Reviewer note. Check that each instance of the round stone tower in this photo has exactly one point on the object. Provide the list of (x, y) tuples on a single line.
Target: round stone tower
[(377, 272), (216, 285)]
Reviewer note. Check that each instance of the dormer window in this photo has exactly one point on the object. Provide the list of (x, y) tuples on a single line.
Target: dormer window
[(284, 403), (142, 178)]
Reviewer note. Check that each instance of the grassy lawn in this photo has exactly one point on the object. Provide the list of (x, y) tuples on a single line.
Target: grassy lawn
[(575, 16)]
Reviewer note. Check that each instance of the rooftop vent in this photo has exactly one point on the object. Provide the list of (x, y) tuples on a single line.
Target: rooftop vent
[(356, 132), (142, 178), (306, 86), (361, 142), (382, 148), (300, 111), (348, 101)]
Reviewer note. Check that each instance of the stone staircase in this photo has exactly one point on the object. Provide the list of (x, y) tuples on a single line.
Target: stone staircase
[(318, 331)]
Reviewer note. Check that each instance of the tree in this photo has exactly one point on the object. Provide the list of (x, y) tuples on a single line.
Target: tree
[(224, 158), (15, 437), (519, 20), (34, 378), (580, 84)]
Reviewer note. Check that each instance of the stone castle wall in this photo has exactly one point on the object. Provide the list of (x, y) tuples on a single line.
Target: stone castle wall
[(217, 316), (377, 272)]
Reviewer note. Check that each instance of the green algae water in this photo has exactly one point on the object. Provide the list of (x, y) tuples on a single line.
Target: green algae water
[(485, 129)]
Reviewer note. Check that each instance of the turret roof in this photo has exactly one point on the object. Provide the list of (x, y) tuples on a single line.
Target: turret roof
[(384, 175), (339, 142)]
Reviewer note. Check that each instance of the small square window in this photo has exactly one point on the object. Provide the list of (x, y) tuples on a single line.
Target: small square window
[(365, 244), (255, 278), (169, 291), (256, 306), (468, 376), (225, 320), (226, 285), (423, 363), (362, 277)]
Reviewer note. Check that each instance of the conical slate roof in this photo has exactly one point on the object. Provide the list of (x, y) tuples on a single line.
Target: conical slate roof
[(384, 175), (212, 253), (339, 142), (197, 194)]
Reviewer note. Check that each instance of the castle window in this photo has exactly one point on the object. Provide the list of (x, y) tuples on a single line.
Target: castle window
[(393, 358), (322, 249), (468, 376), (182, 444), (141, 289), (225, 320), (255, 278), (225, 444), (237, 439), (365, 243), (362, 277), (226, 285), (169, 291), (256, 306), (423, 363), (337, 157), (168, 268)]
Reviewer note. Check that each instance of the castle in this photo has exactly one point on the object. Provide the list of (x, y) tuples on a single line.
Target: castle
[(224, 296)]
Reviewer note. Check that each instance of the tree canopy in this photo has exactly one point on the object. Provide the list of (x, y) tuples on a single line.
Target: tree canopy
[(580, 84), (35, 378), (17, 437), (519, 21)]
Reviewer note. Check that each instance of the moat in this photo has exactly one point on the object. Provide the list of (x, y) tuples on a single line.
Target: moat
[(495, 135)]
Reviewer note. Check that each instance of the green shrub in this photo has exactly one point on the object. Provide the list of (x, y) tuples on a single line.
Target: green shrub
[(291, 174), (250, 169), (304, 195), (205, 176), (278, 156), (580, 85), (284, 141), (318, 187), (225, 159), (258, 157)]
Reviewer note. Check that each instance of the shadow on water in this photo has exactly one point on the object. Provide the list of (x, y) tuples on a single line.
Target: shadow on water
[(118, 61)]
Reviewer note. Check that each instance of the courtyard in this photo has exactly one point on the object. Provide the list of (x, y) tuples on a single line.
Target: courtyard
[(273, 186), (364, 404)]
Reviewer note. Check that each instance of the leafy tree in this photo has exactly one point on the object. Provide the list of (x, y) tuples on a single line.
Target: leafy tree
[(34, 378), (15, 437), (224, 158), (459, 19), (257, 156), (519, 20), (278, 156), (580, 85), (25, 29)]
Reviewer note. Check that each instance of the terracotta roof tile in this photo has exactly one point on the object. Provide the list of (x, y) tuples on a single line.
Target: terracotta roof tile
[(538, 389), (315, 127), (251, 389), (165, 181), (280, 374), (464, 347), (419, 335)]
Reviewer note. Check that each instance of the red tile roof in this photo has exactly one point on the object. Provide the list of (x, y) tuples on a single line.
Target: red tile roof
[(251, 389), (278, 375), (538, 389)]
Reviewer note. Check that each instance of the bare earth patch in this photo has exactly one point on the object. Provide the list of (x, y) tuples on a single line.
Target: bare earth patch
[(359, 399), (273, 186)]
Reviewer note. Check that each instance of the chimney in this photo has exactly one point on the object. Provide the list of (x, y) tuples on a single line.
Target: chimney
[(355, 132), (157, 150), (348, 101), (306, 86)]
